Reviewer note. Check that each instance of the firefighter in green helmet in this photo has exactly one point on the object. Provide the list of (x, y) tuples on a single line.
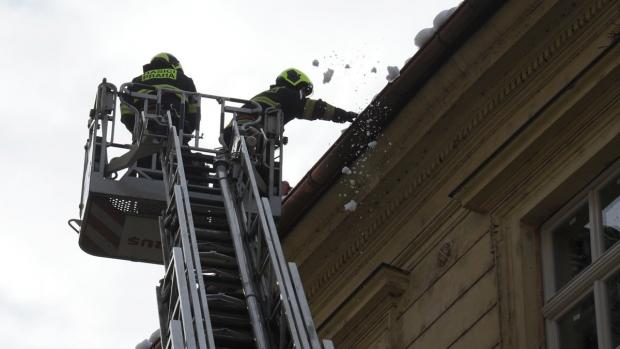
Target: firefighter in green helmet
[(164, 71), (290, 94)]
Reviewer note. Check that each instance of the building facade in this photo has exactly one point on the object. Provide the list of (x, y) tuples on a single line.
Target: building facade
[(488, 210)]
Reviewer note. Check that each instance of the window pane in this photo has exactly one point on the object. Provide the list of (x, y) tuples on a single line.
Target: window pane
[(577, 328), (613, 292), (610, 201), (571, 246)]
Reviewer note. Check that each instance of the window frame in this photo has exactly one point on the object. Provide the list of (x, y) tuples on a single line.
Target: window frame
[(592, 279)]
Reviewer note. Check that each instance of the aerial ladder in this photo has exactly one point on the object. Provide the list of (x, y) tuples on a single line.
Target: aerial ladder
[(208, 215)]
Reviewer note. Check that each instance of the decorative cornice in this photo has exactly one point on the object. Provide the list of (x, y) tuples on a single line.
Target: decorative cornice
[(555, 46), (381, 290)]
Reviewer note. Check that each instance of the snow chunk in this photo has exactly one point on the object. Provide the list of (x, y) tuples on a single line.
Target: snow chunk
[(372, 144), (442, 17), (350, 206), (327, 76), (347, 66), (393, 73), (346, 170), (373, 70), (424, 36), (145, 344), (315, 62)]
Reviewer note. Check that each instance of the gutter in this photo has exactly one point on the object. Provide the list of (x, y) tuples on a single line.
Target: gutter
[(470, 16)]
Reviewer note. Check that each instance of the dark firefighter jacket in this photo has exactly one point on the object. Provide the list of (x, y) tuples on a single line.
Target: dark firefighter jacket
[(159, 74), (294, 105)]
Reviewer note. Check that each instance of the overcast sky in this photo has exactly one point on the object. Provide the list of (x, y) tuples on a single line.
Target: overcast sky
[(55, 52)]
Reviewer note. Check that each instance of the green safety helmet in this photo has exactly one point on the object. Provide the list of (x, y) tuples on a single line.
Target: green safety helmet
[(168, 58), (295, 78)]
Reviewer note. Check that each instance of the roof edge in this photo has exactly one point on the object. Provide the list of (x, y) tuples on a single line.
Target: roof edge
[(463, 23)]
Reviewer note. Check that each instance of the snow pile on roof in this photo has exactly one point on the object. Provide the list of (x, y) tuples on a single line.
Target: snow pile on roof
[(393, 73), (424, 36), (427, 33), (350, 206), (327, 76), (442, 17)]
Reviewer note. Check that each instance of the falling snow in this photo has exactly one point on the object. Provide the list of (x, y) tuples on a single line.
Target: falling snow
[(346, 170), (393, 73), (350, 206), (315, 62), (327, 76)]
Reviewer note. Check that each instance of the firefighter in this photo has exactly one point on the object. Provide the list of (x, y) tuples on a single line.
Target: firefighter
[(164, 71), (290, 94)]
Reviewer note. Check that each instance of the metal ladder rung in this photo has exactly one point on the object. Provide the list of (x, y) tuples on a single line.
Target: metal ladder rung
[(212, 235), (227, 302), (215, 259)]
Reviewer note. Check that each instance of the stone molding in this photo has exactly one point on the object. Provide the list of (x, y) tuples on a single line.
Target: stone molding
[(370, 312)]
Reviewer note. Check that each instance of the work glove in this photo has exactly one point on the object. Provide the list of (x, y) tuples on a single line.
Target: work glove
[(344, 116), (350, 116)]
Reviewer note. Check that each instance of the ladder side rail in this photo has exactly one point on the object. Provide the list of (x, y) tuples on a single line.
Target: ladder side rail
[(184, 287), (176, 336), (113, 114), (204, 321), (181, 119), (167, 295), (293, 317), (257, 320), (160, 290), (198, 119), (105, 105), (102, 149), (272, 133), (105, 101), (89, 158), (303, 305), (167, 238), (163, 319), (256, 247), (177, 185), (292, 291), (275, 271), (194, 271), (166, 243)]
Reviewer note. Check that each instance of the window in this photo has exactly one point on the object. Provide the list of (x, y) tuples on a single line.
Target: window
[(581, 268)]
